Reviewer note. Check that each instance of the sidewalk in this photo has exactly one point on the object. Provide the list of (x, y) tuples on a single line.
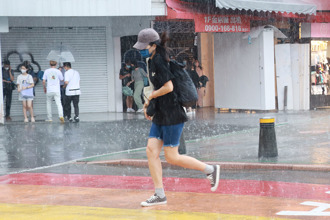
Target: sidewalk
[(97, 168), (232, 139)]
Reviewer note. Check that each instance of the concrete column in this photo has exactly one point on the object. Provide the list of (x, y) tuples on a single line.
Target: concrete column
[(118, 87), (1, 90), (114, 65), (4, 28), (267, 70)]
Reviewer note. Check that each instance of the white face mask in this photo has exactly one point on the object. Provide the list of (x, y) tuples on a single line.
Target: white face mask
[(23, 71), (6, 68)]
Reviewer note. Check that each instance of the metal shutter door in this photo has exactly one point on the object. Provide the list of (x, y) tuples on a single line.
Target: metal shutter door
[(89, 45)]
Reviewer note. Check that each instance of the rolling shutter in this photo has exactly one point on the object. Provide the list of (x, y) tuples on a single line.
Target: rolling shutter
[(89, 50)]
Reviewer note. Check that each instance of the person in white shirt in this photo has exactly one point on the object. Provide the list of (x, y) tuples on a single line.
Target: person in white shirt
[(72, 92), (53, 77), (25, 86)]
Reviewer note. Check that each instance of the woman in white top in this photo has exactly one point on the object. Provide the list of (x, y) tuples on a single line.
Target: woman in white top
[(25, 86)]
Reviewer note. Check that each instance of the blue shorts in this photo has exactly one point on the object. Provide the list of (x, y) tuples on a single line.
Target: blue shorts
[(169, 134)]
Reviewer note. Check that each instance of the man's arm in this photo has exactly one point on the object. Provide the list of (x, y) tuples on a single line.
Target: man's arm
[(11, 75), (44, 84)]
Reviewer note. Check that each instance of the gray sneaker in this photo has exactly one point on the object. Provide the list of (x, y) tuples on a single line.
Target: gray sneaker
[(214, 178), (154, 200)]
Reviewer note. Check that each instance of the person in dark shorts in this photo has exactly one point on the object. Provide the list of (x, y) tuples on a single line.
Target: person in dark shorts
[(168, 120), (125, 77)]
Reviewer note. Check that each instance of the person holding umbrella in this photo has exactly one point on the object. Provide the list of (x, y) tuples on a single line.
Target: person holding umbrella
[(53, 77)]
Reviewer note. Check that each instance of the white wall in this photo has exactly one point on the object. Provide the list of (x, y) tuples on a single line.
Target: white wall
[(4, 24), (1, 90), (267, 70), (117, 67), (3, 28), (59, 8), (241, 79), (122, 26), (292, 70)]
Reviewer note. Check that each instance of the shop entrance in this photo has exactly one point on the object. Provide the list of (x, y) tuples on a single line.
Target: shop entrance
[(320, 70)]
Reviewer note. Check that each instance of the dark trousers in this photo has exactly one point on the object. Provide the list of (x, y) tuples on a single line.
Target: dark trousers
[(67, 103), (63, 98), (8, 94)]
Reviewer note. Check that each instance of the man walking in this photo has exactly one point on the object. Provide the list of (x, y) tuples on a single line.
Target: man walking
[(7, 83), (53, 77), (72, 92)]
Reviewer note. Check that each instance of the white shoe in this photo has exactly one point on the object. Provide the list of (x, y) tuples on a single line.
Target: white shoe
[(130, 110), (214, 178), (140, 111)]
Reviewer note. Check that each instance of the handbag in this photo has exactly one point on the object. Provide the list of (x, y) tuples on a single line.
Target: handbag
[(127, 91), (147, 90), (13, 86), (27, 93), (151, 109)]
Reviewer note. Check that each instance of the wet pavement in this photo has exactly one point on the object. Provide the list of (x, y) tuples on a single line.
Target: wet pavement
[(55, 171)]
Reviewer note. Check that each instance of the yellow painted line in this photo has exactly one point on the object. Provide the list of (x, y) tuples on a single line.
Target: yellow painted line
[(49, 212), (267, 120)]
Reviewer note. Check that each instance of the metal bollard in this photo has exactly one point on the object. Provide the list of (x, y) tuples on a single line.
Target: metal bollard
[(267, 138), (182, 146)]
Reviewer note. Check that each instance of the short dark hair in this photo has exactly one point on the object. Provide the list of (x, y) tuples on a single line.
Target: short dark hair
[(6, 62), (67, 64), (134, 62), (52, 63)]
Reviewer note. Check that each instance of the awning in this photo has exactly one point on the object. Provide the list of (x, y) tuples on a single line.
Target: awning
[(283, 6), (256, 31), (207, 22)]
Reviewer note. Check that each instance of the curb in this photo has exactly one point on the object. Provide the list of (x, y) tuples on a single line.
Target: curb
[(224, 165)]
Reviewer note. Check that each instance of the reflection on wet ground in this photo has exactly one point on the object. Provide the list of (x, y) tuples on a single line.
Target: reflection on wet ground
[(209, 135)]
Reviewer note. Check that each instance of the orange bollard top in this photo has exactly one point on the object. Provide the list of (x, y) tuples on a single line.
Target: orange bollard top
[(267, 120)]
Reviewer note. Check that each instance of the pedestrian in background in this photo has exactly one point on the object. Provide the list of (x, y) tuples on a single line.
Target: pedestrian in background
[(53, 77), (7, 84), (168, 120), (25, 86), (31, 72), (72, 92), (137, 77), (201, 90), (125, 77), (195, 78), (62, 86)]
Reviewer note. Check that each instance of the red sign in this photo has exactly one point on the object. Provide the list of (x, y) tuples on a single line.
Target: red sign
[(320, 30), (221, 23)]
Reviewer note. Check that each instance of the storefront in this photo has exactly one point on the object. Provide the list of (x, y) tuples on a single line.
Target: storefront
[(92, 33), (90, 62), (243, 70), (320, 61)]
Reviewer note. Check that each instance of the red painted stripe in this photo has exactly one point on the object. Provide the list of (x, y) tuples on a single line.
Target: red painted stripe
[(236, 187)]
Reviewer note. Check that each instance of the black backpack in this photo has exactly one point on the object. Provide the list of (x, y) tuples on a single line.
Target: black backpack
[(183, 85)]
